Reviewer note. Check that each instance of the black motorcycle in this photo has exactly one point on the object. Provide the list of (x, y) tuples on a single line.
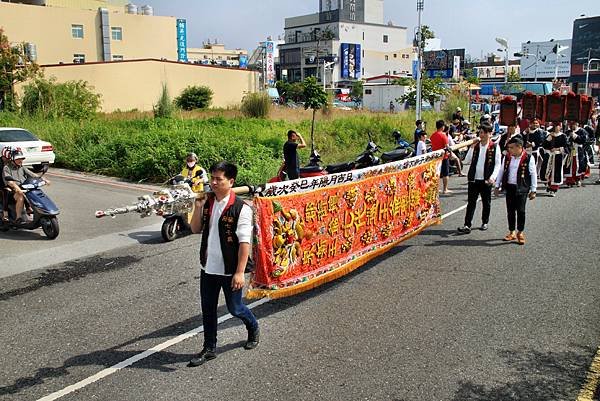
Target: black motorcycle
[(366, 159)]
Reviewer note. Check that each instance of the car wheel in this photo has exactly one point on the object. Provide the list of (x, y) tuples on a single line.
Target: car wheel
[(38, 168)]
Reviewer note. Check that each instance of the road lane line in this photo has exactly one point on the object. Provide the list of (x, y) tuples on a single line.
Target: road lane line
[(591, 382), (136, 358), (160, 347)]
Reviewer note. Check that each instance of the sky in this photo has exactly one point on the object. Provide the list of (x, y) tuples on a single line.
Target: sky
[(472, 24)]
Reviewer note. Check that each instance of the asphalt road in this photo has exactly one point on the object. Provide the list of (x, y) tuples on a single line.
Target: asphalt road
[(441, 317)]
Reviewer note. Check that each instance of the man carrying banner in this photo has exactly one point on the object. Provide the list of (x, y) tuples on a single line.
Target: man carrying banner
[(485, 159), (225, 223), (552, 153), (518, 178)]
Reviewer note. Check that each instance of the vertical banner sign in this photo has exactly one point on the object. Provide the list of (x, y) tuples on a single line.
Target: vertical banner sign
[(345, 59), (456, 67), (351, 61), (182, 40), (311, 236), (415, 69), (358, 60), (270, 52)]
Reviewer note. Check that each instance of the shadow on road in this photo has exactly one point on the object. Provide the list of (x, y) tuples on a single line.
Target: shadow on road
[(146, 237), (539, 376), (23, 235), (160, 361)]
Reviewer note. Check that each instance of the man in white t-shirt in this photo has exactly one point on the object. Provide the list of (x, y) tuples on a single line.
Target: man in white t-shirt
[(225, 223)]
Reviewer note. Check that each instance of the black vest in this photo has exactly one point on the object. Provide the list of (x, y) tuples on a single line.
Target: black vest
[(490, 162), (523, 175), (227, 228)]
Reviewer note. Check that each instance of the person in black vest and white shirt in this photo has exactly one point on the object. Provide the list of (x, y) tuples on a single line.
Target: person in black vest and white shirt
[(486, 159), (518, 178), (225, 223)]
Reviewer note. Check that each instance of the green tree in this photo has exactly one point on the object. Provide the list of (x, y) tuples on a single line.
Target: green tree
[(513, 76), (314, 98), (194, 97), (357, 90), (15, 66), (432, 90), (426, 34), (471, 78)]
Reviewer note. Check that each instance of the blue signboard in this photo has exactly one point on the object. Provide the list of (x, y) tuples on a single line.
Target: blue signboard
[(182, 40), (351, 60), (415, 68), (446, 74), (243, 61)]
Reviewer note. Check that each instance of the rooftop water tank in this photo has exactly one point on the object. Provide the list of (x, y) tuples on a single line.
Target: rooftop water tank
[(131, 9), (147, 10)]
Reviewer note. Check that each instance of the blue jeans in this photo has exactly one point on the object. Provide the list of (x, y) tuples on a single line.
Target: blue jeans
[(210, 287)]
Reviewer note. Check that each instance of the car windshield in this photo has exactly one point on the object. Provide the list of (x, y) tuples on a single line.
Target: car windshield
[(16, 135)]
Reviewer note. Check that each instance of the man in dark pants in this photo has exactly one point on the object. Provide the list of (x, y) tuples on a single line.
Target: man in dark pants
[(518, 178), (290, 154), (485, 159), (225, 223)]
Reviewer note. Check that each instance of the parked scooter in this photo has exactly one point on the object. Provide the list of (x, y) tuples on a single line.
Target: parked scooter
[(44, 211), (403, 150)]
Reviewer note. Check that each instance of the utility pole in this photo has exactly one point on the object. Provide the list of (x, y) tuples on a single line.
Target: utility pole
[(420, 7)]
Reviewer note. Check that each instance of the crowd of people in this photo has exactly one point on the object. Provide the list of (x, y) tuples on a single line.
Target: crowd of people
[(513, 161)]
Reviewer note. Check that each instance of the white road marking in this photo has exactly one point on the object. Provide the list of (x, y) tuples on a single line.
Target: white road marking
[(160, 347)]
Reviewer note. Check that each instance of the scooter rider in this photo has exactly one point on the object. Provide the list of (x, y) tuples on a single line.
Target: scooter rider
[(14, 175), (195, 173), (4, 159)]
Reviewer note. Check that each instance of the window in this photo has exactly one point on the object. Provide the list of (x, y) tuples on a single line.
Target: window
[(387, 57), (368, 91), (116, 33), (395, 55), (363, 36), (116, 57), (385, 38), (78, 58), (77, 31)]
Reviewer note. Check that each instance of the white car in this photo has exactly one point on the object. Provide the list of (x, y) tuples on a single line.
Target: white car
[(37, 153)]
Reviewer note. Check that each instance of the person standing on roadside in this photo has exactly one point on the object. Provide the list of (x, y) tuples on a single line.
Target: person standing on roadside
[(486, 159), (439, 141), (225, 222), (290, 154)]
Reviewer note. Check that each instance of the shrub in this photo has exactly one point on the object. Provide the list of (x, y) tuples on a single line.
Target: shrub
[(72, 99), (256, 105), (164, 107), (194, 97)]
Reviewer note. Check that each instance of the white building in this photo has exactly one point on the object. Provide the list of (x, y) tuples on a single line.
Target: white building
[(360, 43), (540, 62)]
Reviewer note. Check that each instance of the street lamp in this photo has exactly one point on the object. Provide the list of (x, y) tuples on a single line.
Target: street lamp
[(587, 74), (504, 43), (420, 7)]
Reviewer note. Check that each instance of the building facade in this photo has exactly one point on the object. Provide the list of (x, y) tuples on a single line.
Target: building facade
[(586, 46), (65, 32), (355, 43), (216, 54)]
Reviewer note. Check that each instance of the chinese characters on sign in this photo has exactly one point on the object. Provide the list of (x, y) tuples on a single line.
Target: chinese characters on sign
[(181, 40)]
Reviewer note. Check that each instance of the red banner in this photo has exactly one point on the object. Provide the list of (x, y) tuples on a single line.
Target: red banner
[(309, 238)]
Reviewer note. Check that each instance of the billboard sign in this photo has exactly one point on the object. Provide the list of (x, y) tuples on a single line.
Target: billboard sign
[(182, 40), (351, 60), (243, 61), (270, 52), (539, 60), (456, 68)]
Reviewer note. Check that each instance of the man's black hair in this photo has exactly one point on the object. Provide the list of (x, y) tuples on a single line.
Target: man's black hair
[(486, 127), (290, 133), (229, 170), (418, 122), (439, 124), (516, 141), (421, 134)]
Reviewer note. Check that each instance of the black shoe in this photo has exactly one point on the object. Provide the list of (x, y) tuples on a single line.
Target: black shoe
[(464, 230), (253, 339), (484, 227), (206, 355)]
